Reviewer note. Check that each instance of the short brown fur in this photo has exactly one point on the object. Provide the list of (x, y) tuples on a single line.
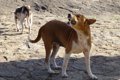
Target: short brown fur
[(51, 33), (62, 34)]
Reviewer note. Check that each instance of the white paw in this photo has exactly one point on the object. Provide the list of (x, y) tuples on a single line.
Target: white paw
[(57, 67), (64, 75), (51, 71), (93, 77)]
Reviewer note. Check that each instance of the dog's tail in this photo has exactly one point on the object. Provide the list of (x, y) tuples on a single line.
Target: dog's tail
[(38, 37)]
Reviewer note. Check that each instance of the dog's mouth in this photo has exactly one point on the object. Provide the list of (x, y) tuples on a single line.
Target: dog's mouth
[(73, 22)]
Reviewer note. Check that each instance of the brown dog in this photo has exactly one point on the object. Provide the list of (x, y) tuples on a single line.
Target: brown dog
[(75, 39)]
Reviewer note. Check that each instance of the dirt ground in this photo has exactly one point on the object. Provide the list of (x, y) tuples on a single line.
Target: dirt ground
[(18, 62)]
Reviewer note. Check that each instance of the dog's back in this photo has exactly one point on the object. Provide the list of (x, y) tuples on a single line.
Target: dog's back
[(22, 10), (59, 32)]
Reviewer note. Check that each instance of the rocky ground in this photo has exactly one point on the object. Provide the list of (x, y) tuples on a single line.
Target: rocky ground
[(18, 62)]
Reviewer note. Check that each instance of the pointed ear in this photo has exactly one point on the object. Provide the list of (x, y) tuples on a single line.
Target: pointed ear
[(90, 21), (69, 16)]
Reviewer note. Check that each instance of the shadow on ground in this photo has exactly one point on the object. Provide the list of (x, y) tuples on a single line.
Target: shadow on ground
[(7, 32), (106, 68), (3, 30)]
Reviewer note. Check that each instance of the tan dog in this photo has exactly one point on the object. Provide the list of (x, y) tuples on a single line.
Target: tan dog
[(23, 13), (75, 39)]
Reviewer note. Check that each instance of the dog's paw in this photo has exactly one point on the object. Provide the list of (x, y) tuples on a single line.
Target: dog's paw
[(93, 77), (51, 72), (57, 67), (64, 75)]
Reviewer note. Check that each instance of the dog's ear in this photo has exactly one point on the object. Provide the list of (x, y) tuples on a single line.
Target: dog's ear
[(27, 6), (90, 21), (69, 16)]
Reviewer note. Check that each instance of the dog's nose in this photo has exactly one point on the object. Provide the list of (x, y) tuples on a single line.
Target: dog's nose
[(73, 22)]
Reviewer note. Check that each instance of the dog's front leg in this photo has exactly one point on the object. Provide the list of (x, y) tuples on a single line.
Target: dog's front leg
[(30, 22), (21, 22), (87, 61), (65, 63), (16, 24), (26, 23)]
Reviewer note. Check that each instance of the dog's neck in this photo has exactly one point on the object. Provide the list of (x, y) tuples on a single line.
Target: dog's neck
[(76, 27), (81, 27), (86, 32)]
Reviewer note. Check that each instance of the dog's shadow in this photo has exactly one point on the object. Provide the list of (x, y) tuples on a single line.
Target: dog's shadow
[(11, 34), (106, 68), (3, 30), (7, 32)]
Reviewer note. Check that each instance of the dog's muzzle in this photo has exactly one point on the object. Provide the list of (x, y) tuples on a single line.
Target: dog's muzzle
[(73, 22)]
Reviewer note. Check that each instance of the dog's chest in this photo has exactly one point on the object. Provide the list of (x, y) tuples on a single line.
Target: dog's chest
[(81, 44)]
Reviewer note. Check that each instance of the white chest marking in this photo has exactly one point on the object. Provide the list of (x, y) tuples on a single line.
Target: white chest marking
[(82, 43)]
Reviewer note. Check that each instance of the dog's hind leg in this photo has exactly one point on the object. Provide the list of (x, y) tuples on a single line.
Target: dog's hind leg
[(16, 24), (53, 55), (87, 62), (21, 22), (30, 23), (48, 48), (26, 23)]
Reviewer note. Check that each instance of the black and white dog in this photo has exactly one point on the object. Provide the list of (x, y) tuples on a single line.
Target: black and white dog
[(23, 14)]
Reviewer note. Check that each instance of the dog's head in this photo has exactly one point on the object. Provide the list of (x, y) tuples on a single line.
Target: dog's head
[(80, 22), (28, 7)]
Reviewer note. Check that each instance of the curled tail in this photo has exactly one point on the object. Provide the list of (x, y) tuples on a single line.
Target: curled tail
[(37, 39)]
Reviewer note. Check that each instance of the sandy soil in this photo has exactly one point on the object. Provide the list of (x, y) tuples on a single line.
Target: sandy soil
[(18, 62)]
